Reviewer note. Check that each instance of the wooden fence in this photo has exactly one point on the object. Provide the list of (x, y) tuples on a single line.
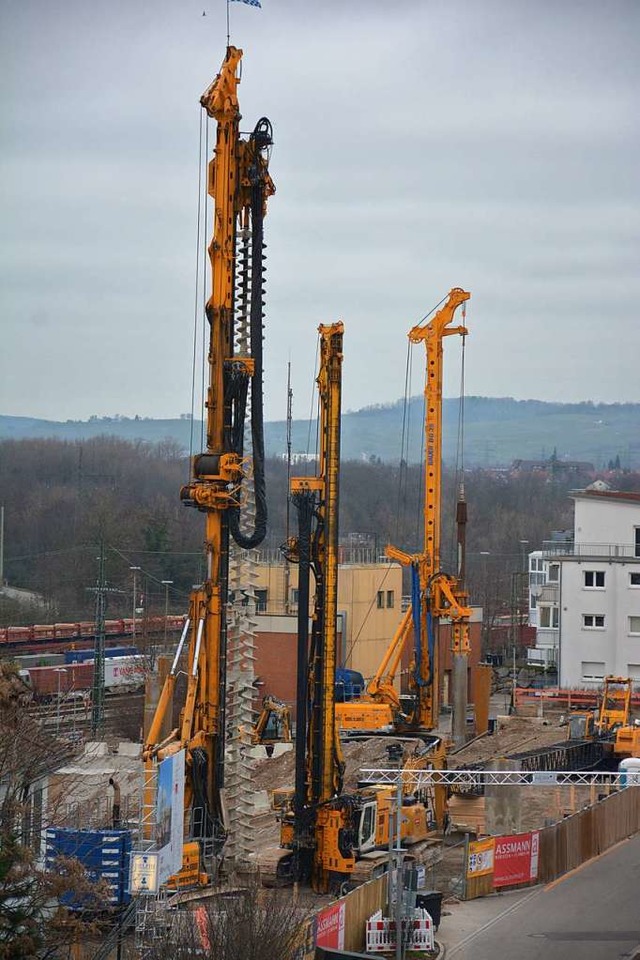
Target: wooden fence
[(567, 844), (360, 904), (578, 838)]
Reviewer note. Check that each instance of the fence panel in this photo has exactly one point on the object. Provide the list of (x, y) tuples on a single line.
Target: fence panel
[(360, 904)]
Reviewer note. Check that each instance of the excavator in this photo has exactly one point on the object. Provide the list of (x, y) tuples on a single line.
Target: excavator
[(327, 837), (272, 726), (240, 185), (611, 715), (434, 593)]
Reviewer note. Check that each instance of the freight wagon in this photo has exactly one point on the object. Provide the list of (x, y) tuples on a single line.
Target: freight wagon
[(121, 675), (85, 629)]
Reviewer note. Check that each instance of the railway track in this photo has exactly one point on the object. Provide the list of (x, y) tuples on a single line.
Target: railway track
[(71, 719)]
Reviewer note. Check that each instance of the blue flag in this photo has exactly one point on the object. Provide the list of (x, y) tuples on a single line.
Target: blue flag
[(252, 3)]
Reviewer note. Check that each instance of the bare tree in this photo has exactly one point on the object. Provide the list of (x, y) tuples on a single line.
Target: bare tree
[(34, 921), (247, 924)]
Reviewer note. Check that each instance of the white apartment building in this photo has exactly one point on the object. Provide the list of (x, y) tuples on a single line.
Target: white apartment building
[(585, 596)]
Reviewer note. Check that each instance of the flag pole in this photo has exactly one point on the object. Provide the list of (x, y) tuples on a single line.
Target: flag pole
[(228, 31)]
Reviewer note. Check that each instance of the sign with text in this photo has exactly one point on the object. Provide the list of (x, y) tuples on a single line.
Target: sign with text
[(330, 927), (515, 859), (480, 861), (144, 873)]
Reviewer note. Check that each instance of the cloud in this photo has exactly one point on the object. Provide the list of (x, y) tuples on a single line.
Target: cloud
[(417, 147)]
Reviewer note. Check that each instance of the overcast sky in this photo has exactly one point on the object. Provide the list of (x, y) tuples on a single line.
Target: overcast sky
[(421, 145)]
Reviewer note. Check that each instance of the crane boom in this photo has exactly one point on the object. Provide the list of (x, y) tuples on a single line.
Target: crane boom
[(239, 184), (435, 594)]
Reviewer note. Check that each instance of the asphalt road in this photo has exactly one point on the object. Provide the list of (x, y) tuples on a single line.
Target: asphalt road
[(591, 914)]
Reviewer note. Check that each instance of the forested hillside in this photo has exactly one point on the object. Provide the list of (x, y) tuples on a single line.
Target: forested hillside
[(497, 431), (62, 499)]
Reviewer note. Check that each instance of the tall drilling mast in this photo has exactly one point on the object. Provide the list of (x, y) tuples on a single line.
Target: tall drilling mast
[(318, 760), (435, 594), (240, 185)]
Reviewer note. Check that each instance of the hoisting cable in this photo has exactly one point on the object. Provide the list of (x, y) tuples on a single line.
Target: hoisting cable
[(313, 399), (196, 304), (261, 139), (404, 444), (459, 468)]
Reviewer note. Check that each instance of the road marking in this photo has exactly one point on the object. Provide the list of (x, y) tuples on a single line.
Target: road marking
[(485, 926)]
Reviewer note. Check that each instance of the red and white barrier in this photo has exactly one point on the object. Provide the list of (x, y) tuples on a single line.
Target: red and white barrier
[(417, 932)]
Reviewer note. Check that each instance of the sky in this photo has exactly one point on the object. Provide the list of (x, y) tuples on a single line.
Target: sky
[(488, 144)]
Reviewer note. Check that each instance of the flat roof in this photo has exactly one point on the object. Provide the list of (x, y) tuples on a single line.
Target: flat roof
[(616, 495)]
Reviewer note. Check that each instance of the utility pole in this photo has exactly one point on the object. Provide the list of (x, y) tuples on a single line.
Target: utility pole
[(2, 545), (97, 704), (287, 565), (135, 571), (166, 584), (59, 670)]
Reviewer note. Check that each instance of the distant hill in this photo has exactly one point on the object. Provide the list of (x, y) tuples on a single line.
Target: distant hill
[(496, 431)]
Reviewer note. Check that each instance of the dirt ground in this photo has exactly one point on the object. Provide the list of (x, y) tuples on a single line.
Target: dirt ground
[(513, 735)]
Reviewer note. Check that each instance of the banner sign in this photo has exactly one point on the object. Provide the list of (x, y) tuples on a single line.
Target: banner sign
[(170, 815), (330, 927), (516, 859), (480, 860)]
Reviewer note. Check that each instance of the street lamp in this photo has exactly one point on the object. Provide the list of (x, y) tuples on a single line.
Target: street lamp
[(485, 600), (134, 571), (59, 670), (167, 584)]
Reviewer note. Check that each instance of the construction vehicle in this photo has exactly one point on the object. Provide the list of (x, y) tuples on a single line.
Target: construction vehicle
[(239, 184), (435, 594), (611, 714), (327, 837), (272, 726)]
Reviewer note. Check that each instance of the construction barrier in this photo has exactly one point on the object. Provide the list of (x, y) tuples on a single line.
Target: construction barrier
[(417, 933), (541, 856), (564, 698)]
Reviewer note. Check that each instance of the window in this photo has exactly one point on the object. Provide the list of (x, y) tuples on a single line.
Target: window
[(555, 617), (294, 595), (554, 572), (592, 670), (594, 579), (390, 598), (633, 671), (637, 537), (261, 601), (533, 601), (593, 621), (549, 617), (380, 599), (634, 624), (634, 579)]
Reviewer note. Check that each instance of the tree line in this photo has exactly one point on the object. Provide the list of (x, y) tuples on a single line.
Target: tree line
[(64, 500)]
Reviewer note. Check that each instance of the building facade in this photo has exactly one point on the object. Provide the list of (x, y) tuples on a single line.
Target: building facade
[(370, 608), (587, 600)]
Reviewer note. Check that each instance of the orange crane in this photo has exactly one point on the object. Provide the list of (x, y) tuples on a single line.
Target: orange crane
[(435, 594), (239, 184), (328, 837)]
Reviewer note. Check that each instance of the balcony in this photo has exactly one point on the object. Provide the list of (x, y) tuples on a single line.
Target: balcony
[(551, 548)]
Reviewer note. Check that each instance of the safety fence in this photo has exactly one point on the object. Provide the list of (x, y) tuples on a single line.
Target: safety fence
[(563, 698), (416, 933), (541, 856)]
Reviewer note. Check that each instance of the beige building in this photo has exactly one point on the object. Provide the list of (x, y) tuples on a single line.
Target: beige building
[(369, 605)]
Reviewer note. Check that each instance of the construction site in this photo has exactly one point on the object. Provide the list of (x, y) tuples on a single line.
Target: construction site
[(316, 758)]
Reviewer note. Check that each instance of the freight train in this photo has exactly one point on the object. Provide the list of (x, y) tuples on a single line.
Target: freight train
[(75, 680), (83, 630)]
